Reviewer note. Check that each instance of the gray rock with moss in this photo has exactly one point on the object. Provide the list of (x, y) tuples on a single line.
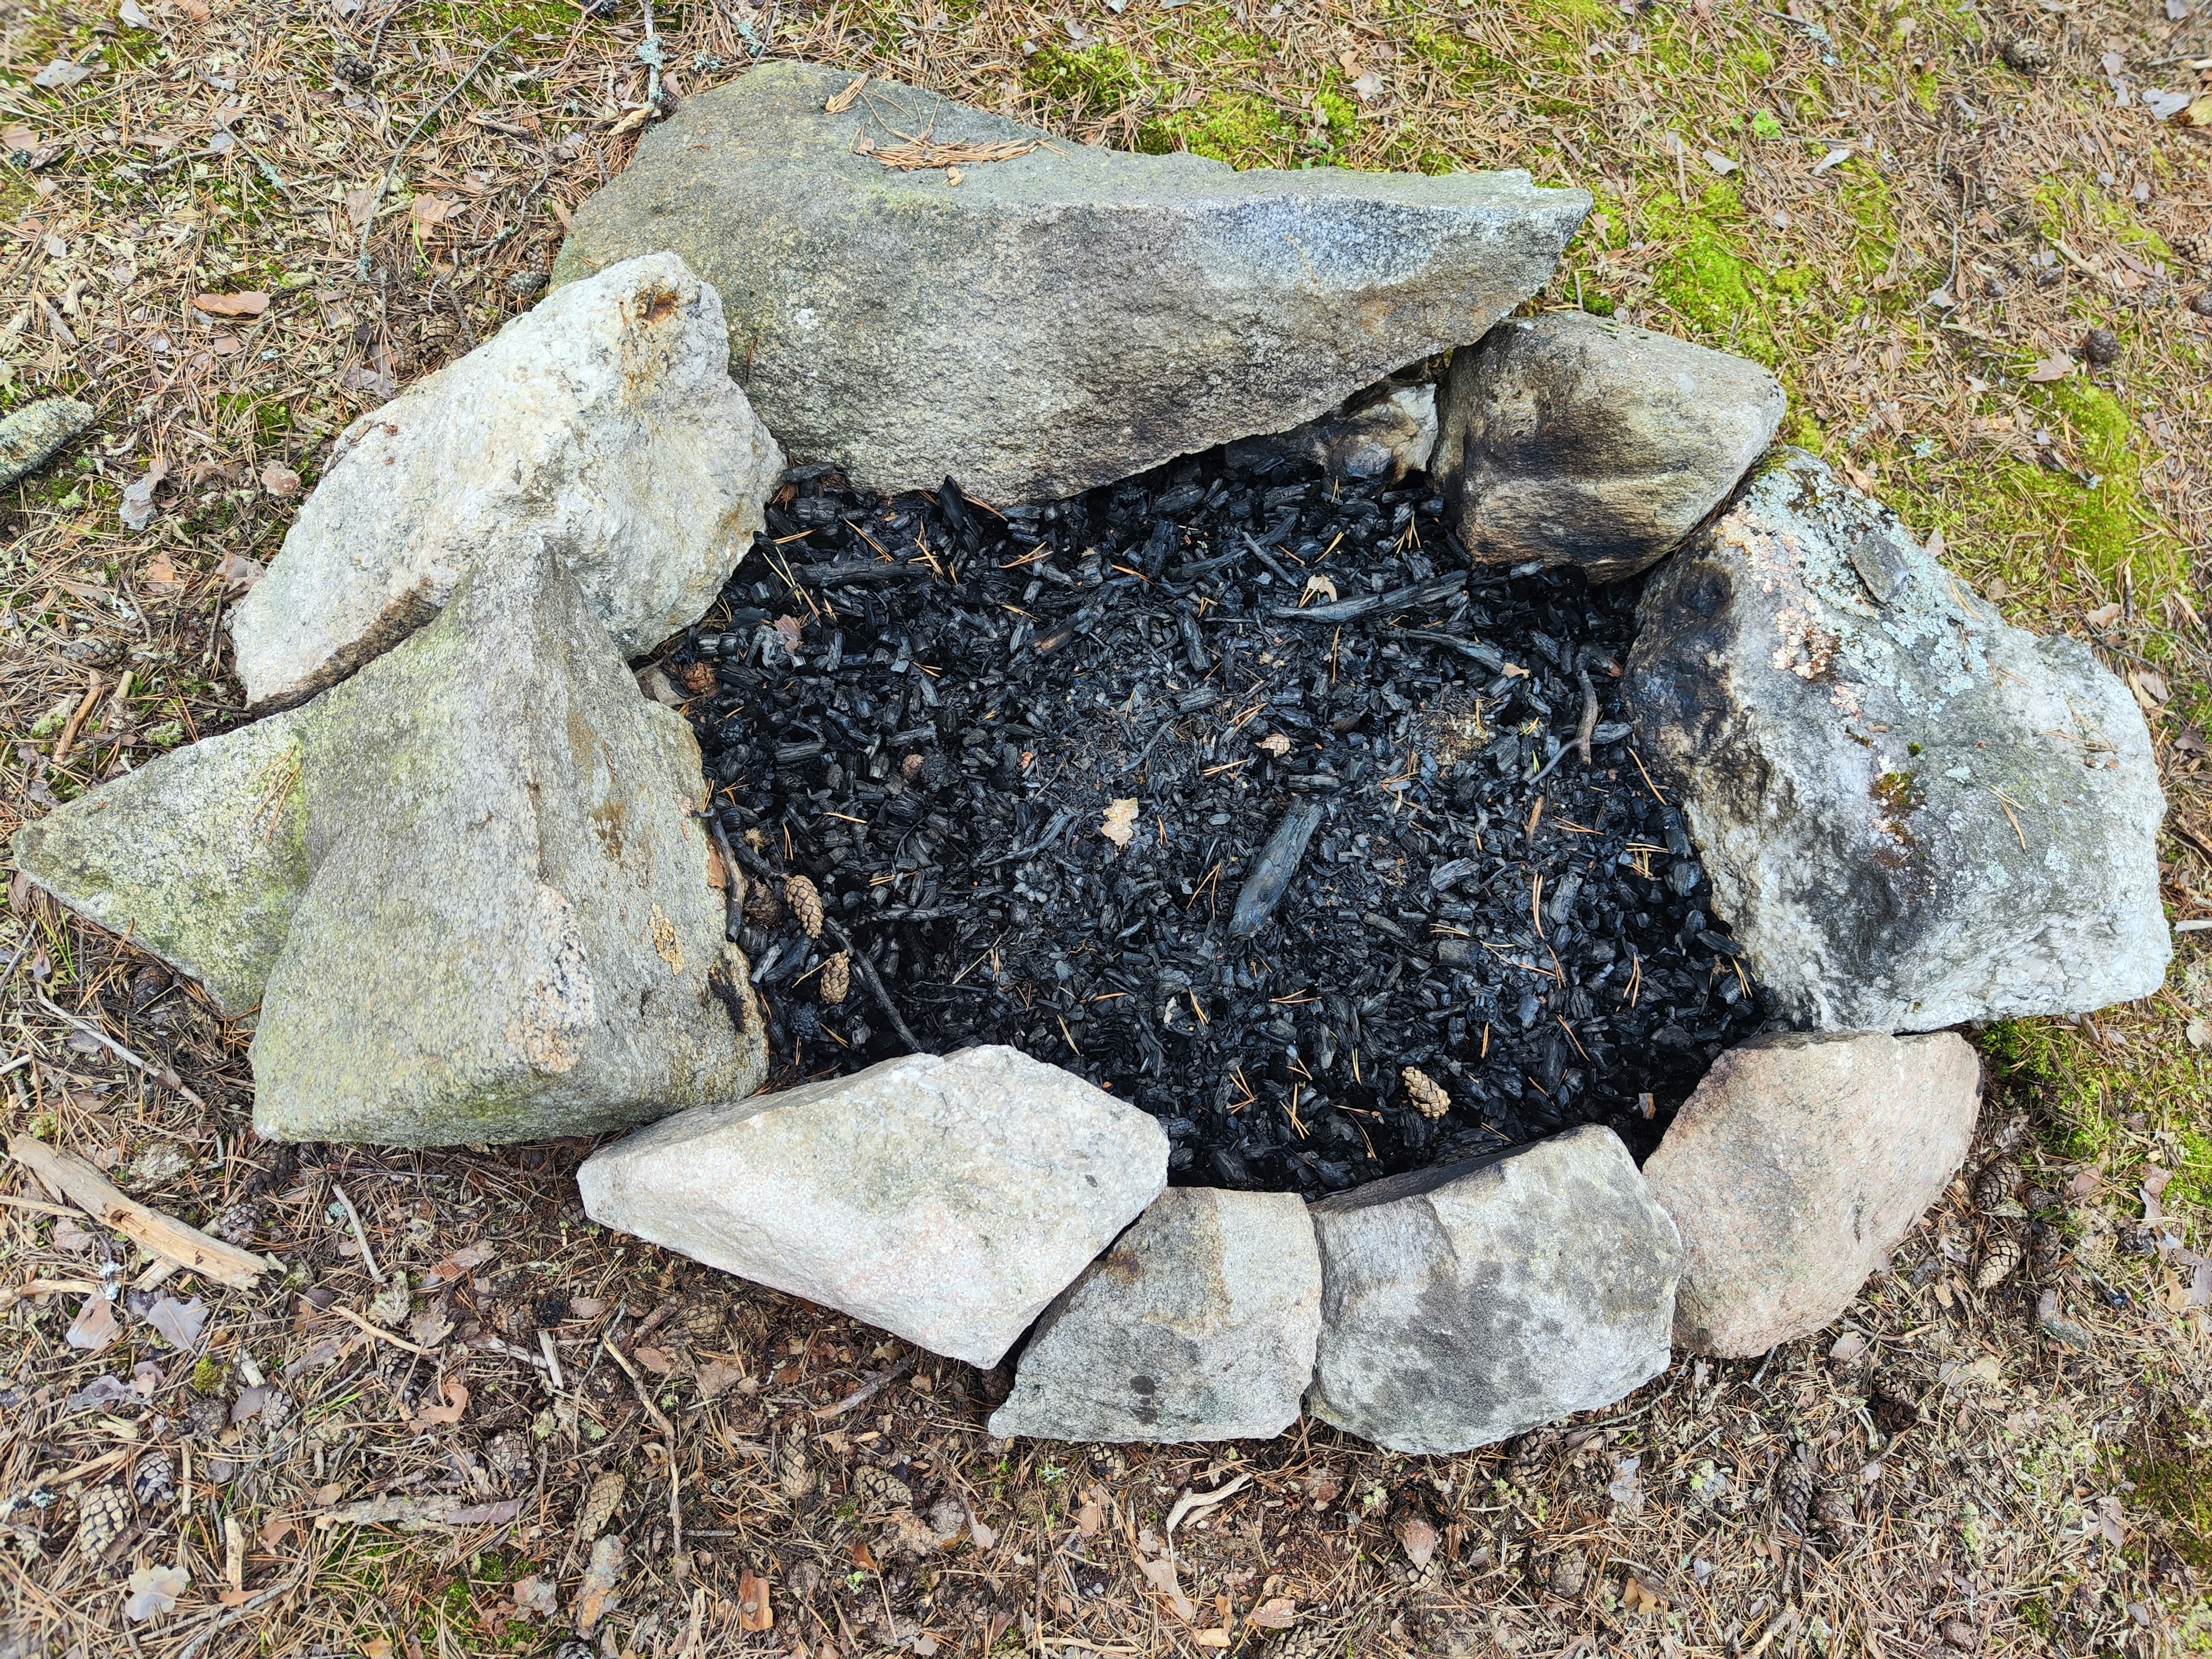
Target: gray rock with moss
[(1911, 813), (508, 930), (1058, 316), (33, 434), (1467, 1303), (1571, 440), (602, 423), (1199, 1324), (944, 1198), (199, 856)]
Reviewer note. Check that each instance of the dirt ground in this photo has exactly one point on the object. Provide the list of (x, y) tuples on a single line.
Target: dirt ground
[(457, 1396)]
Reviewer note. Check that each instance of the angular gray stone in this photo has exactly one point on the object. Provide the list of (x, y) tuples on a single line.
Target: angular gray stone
[(508, 931), (36, 432), (1577, 440), (946, 1199), (199, 856), (1799, 1163), (1060, 319), (1911, 813), (1199, 1324), (1471, 1302), (603, 424)]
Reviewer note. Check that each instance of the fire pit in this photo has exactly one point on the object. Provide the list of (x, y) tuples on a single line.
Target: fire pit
[(1226, 789)]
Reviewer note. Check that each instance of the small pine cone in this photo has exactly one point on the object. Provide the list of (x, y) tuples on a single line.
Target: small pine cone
[(2003, 1254), (699, 680), (836, 977), (238, 1224), (1793, 1485), (1427, 1095), (1999, 1180), (600, 1504), (154, 1483), (101, 1516), (703, 1320), (880, 1487), (792, 1472), (805, 905), (1833, 1506), (762, 906), (1306, 1642)]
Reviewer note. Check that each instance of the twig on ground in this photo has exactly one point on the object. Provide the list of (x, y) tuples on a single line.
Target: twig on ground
[(399, 154), (869, 1389), (644, 1397), (67, 1176), (161, 1074), (360, 1233)]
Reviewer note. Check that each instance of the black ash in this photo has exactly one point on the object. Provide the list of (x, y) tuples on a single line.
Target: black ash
[(1232, 790)]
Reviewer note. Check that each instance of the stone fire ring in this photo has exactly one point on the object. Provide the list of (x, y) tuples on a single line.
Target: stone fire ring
[(1911, 815)]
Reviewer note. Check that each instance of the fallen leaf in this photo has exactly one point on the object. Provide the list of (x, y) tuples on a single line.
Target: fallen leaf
[(456, 1405), (161, 573), (2149, 687), (238, 573), (1322, 585), (426, 213), (2048, 369), (1722, 164), (60, 76), (280, 481), (1161, 1575), (431, 1326), (2103, 616), (137, 507), (19, 137), (1416, 1537), (95, 1326), (132, 16), (251, 303), (595, 1594), (536, 1597), (1119, 823), (154, 1591), (1279, 1613), (655, 1360), (717, 1376), (1090, 1518), (252, 1403), (178, 1323), (276, 1529), (464, 1261), (1367, 87)]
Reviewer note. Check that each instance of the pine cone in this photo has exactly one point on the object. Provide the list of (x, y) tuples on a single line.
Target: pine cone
[(2003, 1253), (880, 1487), (600, 1504), (836, 978), (805, 902), (1427, 1095), (154, 1483), (703, 1320), (1793, 1485), (238, 1224), (792, 1473), (1999, 1180), (101, 1516)]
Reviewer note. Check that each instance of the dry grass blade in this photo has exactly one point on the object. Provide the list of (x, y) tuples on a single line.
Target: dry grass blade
[(917, 154)]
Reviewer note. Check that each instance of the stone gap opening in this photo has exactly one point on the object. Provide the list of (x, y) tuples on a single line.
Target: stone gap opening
[(1030, 762)]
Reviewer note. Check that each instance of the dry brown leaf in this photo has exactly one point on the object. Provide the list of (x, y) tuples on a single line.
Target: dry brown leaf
[(251, 303), (1321, 586), (456, 1406), (1120, 824), (95, 1326), (1279, 1613), (2048, 369), (1277, 744)]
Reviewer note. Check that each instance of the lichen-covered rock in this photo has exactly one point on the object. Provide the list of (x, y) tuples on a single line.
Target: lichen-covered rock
[(508, 931), (1912, 814), (602, 424), (1799, 1163), (944, 1198), (36, 432), (1199, 1324), (1571, 440), (1471, 1302), (199, 856), (1058, 316)]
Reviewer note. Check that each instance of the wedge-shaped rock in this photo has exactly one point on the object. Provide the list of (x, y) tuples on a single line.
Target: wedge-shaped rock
[(508, 931), (1574, 440), (1199, 1324), (1474, 1301), (1912, 814), (603, 424), (946, 1199), (1064, 316), (200, 857), (1797, 1166)]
